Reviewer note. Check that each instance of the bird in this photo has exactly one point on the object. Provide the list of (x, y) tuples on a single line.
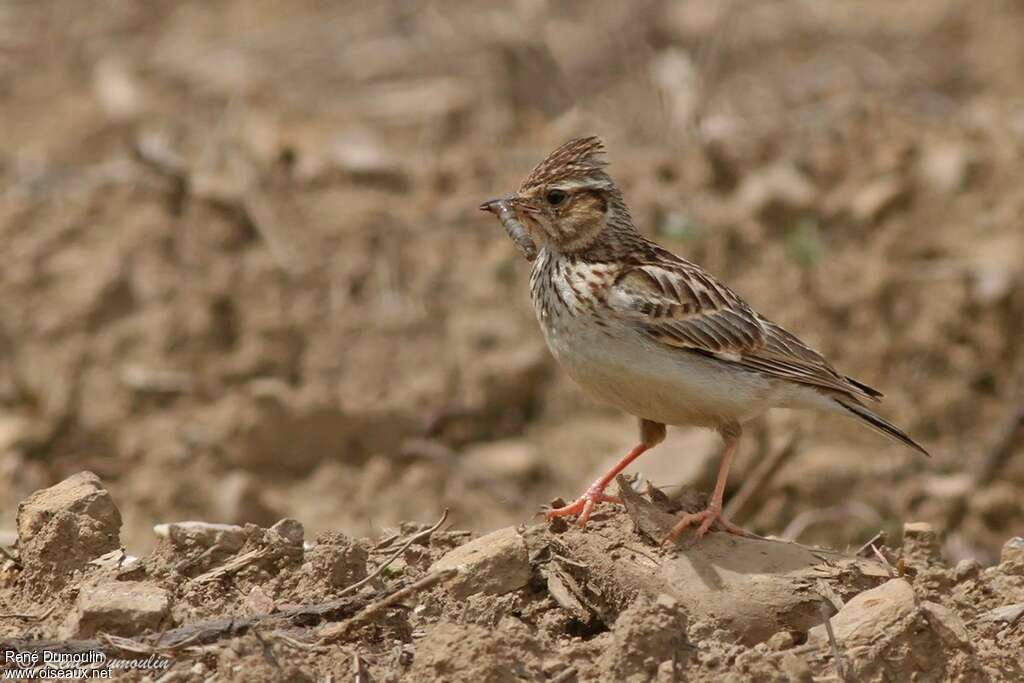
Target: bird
[(655, 335)]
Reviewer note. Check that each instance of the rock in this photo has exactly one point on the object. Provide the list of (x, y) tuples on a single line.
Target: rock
[(337, 560), (1011, 558), (887, 608), (947, 625), (921, 544), (1007, 614), (257, 602), (124, 608), (783, 640), (885, 634), (646, 635), (493, 564), (564, 590), (227, 537), (62, 528), (290, 530), (967, 568), (750, 587), (116, 560)]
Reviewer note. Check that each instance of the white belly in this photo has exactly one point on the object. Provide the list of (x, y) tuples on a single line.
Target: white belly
[(620, 367)]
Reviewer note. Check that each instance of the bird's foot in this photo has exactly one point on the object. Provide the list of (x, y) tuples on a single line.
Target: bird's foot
[(712, 515), (584, 505)]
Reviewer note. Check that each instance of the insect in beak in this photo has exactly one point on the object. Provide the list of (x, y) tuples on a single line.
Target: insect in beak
[(503, 209)]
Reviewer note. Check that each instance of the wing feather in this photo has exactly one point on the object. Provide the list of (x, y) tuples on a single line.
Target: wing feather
[(677, 304), (678, 307)]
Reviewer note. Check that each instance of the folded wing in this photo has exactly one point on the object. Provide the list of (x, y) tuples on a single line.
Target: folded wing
[(678, 305)]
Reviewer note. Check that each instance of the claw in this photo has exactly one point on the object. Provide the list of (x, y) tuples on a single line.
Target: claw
[(707, 517), (583, 506)]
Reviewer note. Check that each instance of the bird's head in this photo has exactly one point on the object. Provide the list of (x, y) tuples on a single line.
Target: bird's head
[(568, 199)]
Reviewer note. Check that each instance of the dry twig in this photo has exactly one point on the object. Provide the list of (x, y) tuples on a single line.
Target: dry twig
[(885, 562), (296, 643), (337, 631), (565, 676), (837, 655), (28, 617), (826, 591), (126, 644), (361, 675), (233, 565), (391, 558), (878, 539)]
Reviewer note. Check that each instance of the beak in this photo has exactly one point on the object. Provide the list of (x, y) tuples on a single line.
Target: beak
[(517, 202), (491, 205)]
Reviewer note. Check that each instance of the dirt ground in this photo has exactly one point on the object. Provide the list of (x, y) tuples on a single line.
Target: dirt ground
[(245, 279)]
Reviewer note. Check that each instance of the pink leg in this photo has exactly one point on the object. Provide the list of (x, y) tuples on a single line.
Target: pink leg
[(713, 513), (651, 434), (584, 505)]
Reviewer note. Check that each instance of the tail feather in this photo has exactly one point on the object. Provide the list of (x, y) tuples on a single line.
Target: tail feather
[(880, 424), (873, 393)]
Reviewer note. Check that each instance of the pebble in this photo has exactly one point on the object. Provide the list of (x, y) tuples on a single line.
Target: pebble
[(493, 564), (291, 530), (870, 613), (228, 537), (783, 640), (338, 559), (63, 527), (1012, 555), (949, 627), (1008, 614), (967, 568), (125, 608)]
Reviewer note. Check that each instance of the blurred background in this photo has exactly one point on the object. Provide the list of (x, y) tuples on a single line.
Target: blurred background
[(244, 275)]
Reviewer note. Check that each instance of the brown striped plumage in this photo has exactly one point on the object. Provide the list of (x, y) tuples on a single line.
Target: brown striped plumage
[(653, 333)]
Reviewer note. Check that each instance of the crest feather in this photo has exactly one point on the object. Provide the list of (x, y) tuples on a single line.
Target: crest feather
[(576, 159)]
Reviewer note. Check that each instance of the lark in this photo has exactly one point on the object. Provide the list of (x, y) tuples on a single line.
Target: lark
[(654, 334)]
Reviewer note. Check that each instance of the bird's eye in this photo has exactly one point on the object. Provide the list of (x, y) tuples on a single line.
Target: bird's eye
[(556, 197)]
